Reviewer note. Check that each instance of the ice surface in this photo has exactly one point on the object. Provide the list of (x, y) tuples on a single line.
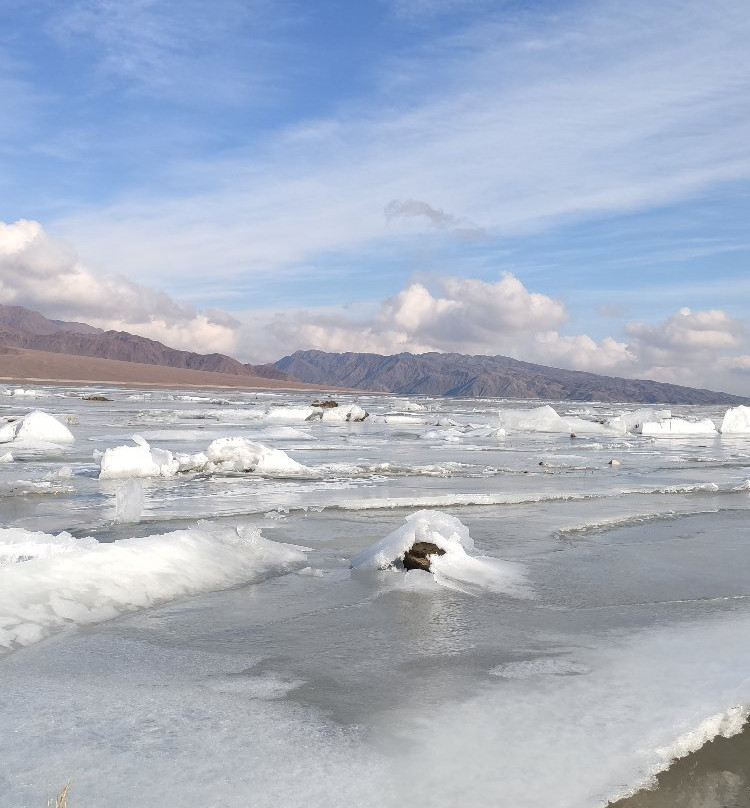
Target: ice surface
[(36, 428), (677, 426), (736, 421), (91, 583), (456, 568)]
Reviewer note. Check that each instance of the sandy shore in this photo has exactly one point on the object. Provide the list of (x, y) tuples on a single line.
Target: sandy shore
[(24, 366), (716, 776)]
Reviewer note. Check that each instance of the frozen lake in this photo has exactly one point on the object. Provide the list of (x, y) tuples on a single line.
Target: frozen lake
[(196, 636)]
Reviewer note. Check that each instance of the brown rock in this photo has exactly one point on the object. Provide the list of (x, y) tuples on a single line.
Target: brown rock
[(417, 557), (326, 405), (96, 397)]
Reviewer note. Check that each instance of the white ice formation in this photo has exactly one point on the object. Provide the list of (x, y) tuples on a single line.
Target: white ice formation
[(68, 582), (736, 421), (36, 428), (234, 454), (456, 569)]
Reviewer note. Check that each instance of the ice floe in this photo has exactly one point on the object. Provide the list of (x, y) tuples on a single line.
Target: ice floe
[(677, 426), (87, 583)]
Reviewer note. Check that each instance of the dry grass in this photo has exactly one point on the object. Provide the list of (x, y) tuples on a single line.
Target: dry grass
[(61, 800)]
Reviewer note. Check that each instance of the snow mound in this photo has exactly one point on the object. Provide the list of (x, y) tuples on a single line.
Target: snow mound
[(456, 569), (17, 544), (677, 426), (736, 421), (95, 583), (137, 461), (35, 428)]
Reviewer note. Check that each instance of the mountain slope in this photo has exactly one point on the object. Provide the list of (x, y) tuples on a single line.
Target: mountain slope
[(24, 328), (483, 377)]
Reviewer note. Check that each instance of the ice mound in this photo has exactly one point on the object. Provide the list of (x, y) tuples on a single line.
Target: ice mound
[(17, 544), (456, 569), (7, 457), (137, 461), (352, 412), (95, 583), (736, 421), (35, 428), (633, 421), (546, 419), (222, 455), (241, 454), (677, 426)]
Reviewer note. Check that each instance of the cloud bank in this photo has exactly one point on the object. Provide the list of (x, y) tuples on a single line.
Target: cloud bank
[(45, 274), (706, 348)]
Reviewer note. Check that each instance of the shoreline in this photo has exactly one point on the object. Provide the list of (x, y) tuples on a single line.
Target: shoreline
[(717, 774)]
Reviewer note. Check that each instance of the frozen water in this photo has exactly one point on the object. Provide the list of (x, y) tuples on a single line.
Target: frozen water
[(586, 625)]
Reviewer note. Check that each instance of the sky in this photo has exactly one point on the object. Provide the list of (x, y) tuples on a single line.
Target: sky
[(563, 182)]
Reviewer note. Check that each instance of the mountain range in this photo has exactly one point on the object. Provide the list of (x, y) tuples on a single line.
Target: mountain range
[(33, 346), (450, 374), (23, 328)]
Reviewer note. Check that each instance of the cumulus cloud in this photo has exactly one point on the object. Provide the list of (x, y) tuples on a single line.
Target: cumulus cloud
[(45, 274), (696, 348), (464, 315)]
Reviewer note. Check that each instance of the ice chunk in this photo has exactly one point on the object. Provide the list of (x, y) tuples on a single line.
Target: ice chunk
[(677, 426), (241, 454), (736, 421), (546, 419), (44, 595), (137, 461), (36, 427), (455, 569), (353, 412), (129, 501), (6, 458), (633, 421), (17, 544)]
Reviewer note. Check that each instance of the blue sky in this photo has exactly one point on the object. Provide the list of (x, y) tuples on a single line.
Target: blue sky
[(565, 182)]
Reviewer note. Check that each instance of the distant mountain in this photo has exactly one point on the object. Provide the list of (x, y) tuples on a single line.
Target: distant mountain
[(24, 328), (453, 374)]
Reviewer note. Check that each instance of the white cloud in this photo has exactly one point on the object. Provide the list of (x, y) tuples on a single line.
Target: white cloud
[(45, 274), (706, 349), (466, 316)]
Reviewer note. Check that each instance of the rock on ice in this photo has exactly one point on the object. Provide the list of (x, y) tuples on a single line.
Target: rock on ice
[(455, 568)]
